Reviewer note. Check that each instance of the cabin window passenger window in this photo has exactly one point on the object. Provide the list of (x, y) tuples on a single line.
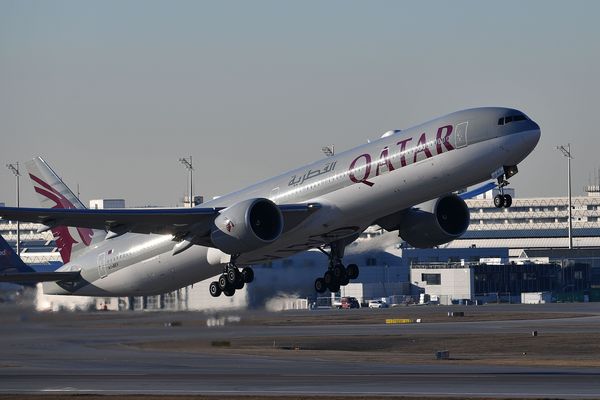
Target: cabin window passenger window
[(501, 121)]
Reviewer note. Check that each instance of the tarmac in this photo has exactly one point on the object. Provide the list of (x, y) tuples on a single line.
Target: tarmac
[(164, 353)]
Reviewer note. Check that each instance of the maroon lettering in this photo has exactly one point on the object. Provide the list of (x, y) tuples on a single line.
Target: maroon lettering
[(402, 145), (384, 161), (367, 172), (422, 144), (445, 140)]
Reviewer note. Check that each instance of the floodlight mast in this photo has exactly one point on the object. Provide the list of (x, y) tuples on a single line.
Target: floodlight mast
[(188, 164), (566, 151), (14, 168)]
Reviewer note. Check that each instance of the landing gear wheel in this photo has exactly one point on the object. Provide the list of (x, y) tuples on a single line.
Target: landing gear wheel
[(232, 274), (239, 284), (352, 271), (499, 201), (344, 281), (231, 279), (338, 271), (248, 275), (507, 200), (334, 287), (223, 283), (328, 278), (320, 285), (214, 289), (337, 274)]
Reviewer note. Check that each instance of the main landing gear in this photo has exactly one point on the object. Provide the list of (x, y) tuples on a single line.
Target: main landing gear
[(504, 200), (232, 279), (336, 275)]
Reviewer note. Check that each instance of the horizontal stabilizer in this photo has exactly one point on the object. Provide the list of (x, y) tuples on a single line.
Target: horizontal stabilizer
[(40, 277), (10, 262)]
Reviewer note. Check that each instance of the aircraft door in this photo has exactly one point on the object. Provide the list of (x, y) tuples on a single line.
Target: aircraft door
[(102, 268), (460, 138)]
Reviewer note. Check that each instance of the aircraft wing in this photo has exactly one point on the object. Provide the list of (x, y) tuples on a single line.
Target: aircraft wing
[(175, 221), (160, 221), (29, 277)]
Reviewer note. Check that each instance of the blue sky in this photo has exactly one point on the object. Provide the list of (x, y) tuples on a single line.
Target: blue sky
[(112, 93)]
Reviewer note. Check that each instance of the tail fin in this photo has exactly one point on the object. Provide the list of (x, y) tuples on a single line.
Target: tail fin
[(53, 193), (10, 262)]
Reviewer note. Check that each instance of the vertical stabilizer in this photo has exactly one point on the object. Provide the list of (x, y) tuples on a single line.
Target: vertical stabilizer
[(53, 193)]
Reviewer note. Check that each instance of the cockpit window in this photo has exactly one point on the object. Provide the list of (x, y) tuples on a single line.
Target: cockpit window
[(512, 118)]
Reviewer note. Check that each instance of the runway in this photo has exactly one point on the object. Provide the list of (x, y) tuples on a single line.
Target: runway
[(100, 353)]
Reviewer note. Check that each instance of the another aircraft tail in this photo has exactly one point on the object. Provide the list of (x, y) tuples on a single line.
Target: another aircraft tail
[(53, 193), (10, 262)]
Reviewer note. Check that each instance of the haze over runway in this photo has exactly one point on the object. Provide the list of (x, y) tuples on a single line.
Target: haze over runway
[(113, 93)]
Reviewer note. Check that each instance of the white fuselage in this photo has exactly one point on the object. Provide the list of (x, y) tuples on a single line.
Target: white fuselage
[(354, 189)]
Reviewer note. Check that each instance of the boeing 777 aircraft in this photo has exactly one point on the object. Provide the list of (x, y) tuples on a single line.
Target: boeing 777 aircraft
[(404, 181)]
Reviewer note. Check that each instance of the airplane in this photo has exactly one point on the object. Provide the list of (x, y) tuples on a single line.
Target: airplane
[(404, 181)]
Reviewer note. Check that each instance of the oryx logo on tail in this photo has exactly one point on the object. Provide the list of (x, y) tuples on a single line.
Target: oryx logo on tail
[(62, 234)]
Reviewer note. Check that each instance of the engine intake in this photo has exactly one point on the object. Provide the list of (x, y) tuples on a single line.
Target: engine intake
[(436, 222), (247, 225)]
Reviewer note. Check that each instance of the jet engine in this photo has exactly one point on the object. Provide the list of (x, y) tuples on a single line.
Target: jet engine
[(432, 223), (247, 225)]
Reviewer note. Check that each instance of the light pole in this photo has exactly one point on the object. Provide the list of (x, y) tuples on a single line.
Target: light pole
[(14, 168), (190, 167), (566, 151)]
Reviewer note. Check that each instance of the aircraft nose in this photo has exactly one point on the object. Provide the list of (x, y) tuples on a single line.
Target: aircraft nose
[(525, 140), (535, 126), (530, 137), (536, 132)]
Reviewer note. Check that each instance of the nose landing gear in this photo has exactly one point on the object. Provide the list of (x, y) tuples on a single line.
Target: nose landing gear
[(504, 200), (231, 280)]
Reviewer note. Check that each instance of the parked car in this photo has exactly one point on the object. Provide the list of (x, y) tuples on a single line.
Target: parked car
[(349, 302), (377, 304)]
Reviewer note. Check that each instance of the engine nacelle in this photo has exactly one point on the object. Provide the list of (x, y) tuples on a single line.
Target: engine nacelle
[(436, 222), (246, 226)]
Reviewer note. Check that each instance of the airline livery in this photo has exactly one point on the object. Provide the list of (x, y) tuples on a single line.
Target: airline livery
[(405, 181)]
